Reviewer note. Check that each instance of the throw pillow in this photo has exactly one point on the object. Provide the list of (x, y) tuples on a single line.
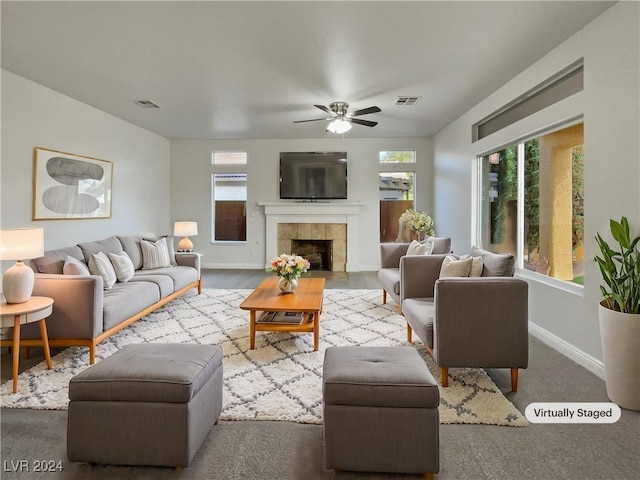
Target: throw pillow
[(495, 264), (99, 264), (170, 249), (455, 268), (417, 248), (73, 266), (122, 265), (155, 254), (441, 245), (476, 267)]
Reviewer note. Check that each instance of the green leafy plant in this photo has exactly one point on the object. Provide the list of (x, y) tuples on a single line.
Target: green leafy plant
[(620, 269)]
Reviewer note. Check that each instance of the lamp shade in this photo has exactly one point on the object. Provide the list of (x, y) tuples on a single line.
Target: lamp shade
[(185, 229), (21, 243)]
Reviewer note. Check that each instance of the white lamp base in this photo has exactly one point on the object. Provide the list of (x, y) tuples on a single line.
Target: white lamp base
[(17, 283), (185, 245)]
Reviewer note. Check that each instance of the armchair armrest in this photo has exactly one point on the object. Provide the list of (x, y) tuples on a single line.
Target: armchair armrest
[(77, 304), (390, 254), (481, 322), (418, 275)]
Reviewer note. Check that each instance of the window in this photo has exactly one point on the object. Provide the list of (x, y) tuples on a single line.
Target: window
[(229, 197), (229, 158), (230, 207), (533, 203), (398, 156), (397, 192)]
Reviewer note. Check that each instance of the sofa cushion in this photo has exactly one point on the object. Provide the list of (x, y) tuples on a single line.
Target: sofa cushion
[(390, 278), (73, 266), (53, 260), (99, 264), (122, 265), (419, 313), (495, 264), (125, 300), (164, 283), (111, 244), (441, 245), (455, 268), (180, 275), (131, 245)]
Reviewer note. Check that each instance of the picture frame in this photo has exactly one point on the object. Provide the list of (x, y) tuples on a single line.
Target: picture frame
[(69, 186)]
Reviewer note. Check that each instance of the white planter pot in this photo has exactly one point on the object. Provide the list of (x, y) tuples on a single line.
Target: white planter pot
[(620, 336)]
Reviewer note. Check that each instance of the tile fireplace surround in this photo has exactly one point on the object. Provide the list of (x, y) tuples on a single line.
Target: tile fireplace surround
[(337, 221)]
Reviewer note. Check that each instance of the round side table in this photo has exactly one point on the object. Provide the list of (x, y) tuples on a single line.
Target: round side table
[(36, 309)]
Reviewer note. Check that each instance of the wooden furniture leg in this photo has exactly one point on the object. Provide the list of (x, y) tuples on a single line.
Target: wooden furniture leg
[(16, 351), (514, 380), (428, 476), (252, 329), (316, 331), (409, 333), (384, 296), (45, 342), (444, 376)]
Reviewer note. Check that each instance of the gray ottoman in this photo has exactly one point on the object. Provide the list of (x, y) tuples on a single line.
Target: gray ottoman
[(147, 404), (380, 411)]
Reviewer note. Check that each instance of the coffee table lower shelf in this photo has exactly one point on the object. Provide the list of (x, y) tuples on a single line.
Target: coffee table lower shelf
[(310, 323)]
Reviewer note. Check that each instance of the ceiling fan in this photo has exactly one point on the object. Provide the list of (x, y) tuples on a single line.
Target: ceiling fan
[(341, 119)]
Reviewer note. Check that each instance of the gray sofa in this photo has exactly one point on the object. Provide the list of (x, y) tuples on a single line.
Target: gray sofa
[(473, 322), (85, 313), (390, 254)]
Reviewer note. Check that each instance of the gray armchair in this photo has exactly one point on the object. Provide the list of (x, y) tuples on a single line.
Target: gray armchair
[(473, 322), (389, 273)]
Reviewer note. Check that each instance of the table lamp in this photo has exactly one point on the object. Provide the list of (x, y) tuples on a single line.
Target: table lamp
[(185, 230), (20, 244)]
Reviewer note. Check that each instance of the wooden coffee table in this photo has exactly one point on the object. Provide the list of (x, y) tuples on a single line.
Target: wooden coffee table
[(307, 299)]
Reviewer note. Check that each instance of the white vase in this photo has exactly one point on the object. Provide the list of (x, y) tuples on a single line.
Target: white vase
[(287, 285), (620, 335)]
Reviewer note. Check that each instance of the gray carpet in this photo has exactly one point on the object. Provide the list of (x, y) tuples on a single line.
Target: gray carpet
[(286, 450)]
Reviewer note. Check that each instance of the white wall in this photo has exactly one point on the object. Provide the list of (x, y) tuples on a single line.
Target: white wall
[(33, 115), (610, 106), (191, 189)]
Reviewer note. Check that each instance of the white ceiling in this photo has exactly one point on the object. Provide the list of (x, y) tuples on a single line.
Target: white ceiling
[(249, 69)]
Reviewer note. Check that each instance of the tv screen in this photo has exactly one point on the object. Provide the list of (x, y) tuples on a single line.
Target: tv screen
[(313, 175)]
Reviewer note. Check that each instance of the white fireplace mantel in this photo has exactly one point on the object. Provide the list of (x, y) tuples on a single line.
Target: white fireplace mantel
[(314, 212)]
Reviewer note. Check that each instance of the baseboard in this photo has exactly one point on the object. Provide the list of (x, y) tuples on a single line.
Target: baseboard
[(592, 364), (234, 266)]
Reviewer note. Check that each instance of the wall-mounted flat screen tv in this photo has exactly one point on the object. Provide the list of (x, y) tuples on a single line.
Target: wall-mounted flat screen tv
[(313, 175)]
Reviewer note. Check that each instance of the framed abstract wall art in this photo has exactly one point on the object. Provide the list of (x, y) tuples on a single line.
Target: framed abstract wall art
[(68, 186)]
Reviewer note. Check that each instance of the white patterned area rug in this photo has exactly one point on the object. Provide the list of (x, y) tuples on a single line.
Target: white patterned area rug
[(282, 378)]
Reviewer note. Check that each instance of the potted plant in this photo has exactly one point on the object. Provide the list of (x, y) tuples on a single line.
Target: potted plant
[(619, 314)]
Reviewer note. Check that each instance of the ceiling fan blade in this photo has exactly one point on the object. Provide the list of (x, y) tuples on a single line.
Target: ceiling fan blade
[(312, 120), (365, 111), (324, 109), (366, 123)]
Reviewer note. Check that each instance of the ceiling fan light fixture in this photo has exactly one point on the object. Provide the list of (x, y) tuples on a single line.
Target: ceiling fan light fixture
[(339, 125)]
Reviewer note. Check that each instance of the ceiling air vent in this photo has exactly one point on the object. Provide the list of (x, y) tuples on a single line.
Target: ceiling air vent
[(146, 104), (408, 101)]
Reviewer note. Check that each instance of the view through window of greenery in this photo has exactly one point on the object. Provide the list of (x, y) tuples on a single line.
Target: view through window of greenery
[(398, 156), (552, 212)]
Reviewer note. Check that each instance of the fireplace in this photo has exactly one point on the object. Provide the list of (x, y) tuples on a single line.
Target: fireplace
[(319, 253), (335, 221)]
